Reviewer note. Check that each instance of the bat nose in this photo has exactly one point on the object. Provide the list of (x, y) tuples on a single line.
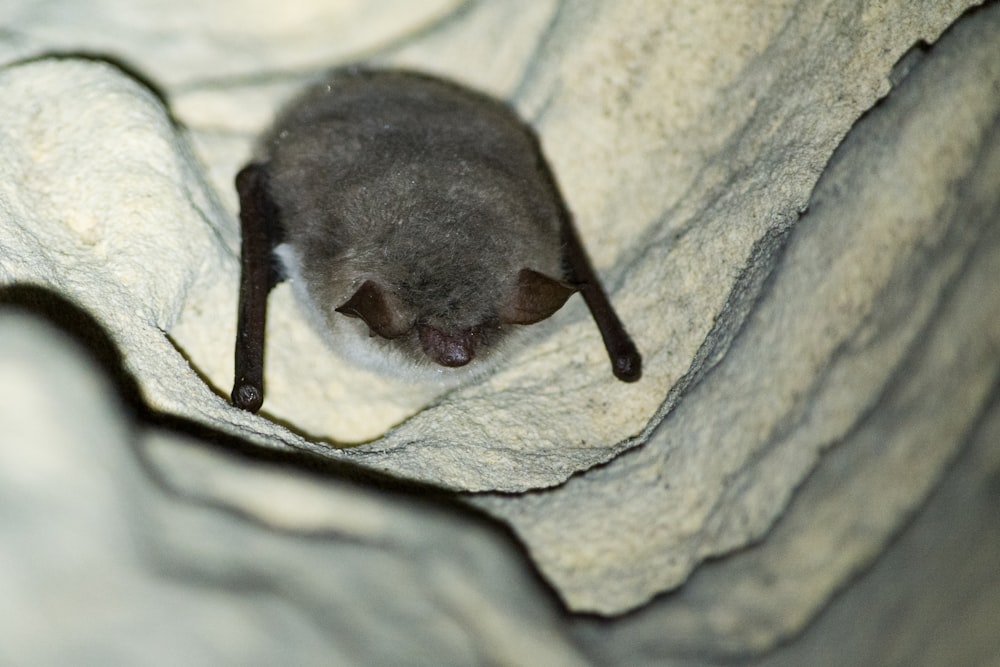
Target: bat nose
[(451, 350), (454, 356)]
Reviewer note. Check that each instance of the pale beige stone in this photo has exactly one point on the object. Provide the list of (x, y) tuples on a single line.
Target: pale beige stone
[(688, 138), (130, 543), (881, 324)]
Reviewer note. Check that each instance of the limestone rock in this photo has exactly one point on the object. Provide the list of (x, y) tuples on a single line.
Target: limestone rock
[(687, 224), (880, 324), (798, 403), (128, 543)]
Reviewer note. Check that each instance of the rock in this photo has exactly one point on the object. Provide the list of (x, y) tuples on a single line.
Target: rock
[(931, 598), (145, 546), (799, 400), (877, 267), (688, 251)]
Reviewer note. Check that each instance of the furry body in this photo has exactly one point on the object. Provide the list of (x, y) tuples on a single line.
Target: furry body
[(426, 188), (419, 224)]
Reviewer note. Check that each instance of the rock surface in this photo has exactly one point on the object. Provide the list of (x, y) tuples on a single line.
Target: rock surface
[(800, 401), (131, 544), (880, 324)]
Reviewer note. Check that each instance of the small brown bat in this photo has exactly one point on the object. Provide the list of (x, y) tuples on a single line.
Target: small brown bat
[(418, 223)]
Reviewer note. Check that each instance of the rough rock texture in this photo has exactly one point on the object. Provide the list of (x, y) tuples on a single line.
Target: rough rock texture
[(879, 326), (799, 401), (128, 544)]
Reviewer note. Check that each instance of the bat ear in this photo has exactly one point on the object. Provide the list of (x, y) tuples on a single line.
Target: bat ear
[(379, 309), (537, 296)]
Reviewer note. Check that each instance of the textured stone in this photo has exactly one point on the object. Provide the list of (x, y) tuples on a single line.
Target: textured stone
[(688, 226), (932, 598), (890, 272), (143, 546), (929, 600), (793, 414)]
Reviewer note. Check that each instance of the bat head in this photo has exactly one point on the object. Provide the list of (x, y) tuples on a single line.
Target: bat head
[(452, 344)]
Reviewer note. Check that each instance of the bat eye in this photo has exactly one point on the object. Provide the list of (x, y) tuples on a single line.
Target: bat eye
[(378, 309)]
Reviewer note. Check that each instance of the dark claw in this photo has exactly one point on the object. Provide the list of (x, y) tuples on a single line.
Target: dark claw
[(627, 364), (247, 397)]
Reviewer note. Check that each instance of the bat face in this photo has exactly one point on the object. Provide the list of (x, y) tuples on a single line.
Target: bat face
[(418, 223)]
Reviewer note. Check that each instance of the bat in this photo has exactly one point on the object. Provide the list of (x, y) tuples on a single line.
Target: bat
[(419, 225)]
